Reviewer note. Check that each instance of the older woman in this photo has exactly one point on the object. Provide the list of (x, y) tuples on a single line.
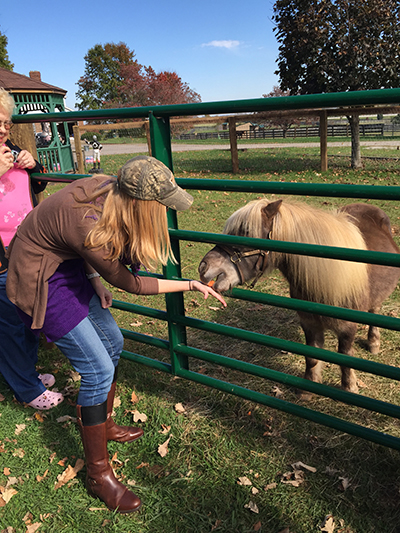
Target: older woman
[(18, 346)]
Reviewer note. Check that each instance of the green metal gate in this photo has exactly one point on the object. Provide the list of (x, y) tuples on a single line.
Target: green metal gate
[(176, 344)]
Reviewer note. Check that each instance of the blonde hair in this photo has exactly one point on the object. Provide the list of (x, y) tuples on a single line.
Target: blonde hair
[(7, 103), (129, 228), (330, 281)]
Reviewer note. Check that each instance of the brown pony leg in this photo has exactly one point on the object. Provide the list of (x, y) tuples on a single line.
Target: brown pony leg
[(314, 367), (346, 339), (374, 335)]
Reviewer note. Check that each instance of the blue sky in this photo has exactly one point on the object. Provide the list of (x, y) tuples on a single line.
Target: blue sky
[(223, 49)]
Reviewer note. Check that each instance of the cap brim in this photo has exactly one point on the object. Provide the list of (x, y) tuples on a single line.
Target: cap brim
[(179, 200)]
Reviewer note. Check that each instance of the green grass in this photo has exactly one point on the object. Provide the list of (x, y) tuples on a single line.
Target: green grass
[(219, 437)]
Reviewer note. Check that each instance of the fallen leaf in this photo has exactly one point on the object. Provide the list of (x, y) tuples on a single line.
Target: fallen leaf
[(19, 452), (136, 324), (163, 448), (66, 418), (6, 471), (8, 494), (252, 507), (134, 398), (257, 526), (19, 428), (33, 527), (139, 417), (328, 524), (271, 486), (277, 392), (299, 464), (217, 524), (244, 481), (69, 473), (165, 429), (62, 462), (254, 490), (142, 465), (117, 402), (40, 478), (214, 308), (179, 408), (345, 483), (39, 416), (2, 398)]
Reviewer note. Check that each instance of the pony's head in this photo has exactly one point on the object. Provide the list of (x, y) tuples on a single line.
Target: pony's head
[(230, 266)]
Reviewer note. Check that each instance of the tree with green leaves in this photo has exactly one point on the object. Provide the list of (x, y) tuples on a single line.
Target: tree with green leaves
[(338, 45), (4, 61), (102, 76)]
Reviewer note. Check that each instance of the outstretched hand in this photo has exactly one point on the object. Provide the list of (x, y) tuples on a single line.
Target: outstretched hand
[(206, 290)]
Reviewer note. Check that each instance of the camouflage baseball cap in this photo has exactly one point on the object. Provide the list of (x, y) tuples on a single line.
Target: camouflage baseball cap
[(146, 178)]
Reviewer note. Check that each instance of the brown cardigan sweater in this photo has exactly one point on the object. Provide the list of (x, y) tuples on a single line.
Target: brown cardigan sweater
[(55, 232)]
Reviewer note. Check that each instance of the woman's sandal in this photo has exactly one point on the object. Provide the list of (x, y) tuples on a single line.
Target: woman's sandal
[(48, 380), (47, 400)]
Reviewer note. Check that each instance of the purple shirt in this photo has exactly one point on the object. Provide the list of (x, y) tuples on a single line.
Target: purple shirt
[(68, 301)]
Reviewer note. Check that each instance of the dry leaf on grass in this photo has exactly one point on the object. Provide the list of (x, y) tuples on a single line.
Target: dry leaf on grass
[(165, 429), (217, 524), (328, 524), (257, 526), (6, 471), (2, 398), (254, 490), (69, 473), (213, 308), (252, 507), (33, 527), (277, 392), (7, 494), (117, 402), (40, 478), (134, 398), (65, 418), (299, 465), (244, 481), (270, 486), (19, 452), (19, 428), (136, 324), (139, 417), (345, 483), (294, 478), (179, 408), (163, 448)]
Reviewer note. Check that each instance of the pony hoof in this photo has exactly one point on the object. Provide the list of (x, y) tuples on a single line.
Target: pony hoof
[(304, 395), (374, 348)]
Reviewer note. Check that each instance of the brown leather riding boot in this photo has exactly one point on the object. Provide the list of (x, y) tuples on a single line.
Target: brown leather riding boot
[(115, 432), (100, 479)]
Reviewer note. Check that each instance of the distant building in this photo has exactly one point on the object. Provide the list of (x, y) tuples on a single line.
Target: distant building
[(31, 95)]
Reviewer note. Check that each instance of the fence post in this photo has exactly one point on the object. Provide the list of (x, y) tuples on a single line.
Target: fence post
[(160, 136), (147, 129), (323, 139), (78, 149), (233, 141)]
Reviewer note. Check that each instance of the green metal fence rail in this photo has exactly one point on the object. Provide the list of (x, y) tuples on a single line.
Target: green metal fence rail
[(176, 344)]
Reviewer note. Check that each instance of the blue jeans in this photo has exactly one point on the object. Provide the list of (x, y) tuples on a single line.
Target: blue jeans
[(18, 351), (93, 348)]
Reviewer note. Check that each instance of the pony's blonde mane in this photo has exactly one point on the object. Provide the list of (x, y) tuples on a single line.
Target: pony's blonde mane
[(328, 281)]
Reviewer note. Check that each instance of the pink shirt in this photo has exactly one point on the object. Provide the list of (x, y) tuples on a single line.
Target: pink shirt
[(15, 202)]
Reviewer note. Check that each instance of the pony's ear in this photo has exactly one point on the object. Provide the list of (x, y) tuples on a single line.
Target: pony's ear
[(271, 209)]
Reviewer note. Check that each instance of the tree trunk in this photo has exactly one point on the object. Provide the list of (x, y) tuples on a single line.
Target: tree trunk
[(354, 121)]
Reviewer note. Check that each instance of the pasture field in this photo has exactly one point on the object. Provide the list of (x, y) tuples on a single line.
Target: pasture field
[(230, 462)]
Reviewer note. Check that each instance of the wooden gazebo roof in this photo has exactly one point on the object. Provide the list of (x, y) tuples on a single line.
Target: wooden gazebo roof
[(13, 82)]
